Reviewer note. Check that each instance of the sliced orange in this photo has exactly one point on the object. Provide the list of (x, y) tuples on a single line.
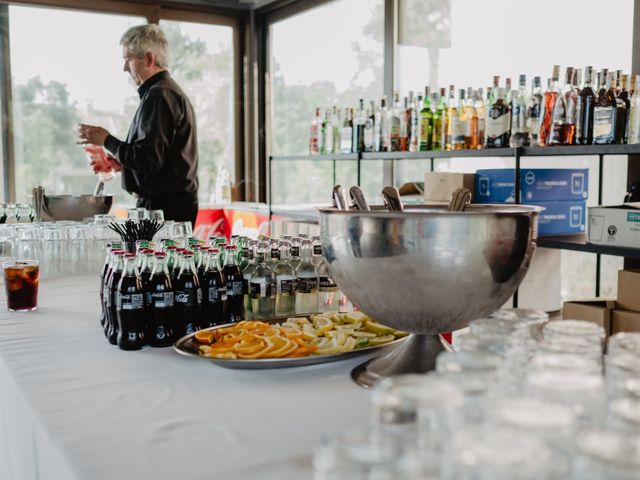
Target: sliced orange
[(204, 336)]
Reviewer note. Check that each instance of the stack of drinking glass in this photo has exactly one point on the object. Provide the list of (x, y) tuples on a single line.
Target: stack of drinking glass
[(520, 397), (74, 248)]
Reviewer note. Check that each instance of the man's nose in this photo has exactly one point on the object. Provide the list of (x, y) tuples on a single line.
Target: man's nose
[(126, 66)]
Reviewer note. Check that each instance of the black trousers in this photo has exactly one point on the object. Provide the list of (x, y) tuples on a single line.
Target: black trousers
[(180, 207)]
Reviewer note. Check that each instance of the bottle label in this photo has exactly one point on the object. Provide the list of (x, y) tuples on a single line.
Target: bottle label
[(261, 290), (345, 140), (161, 334), (162, 300), (222, 293), (131, 301), (317, 249), (306, 285), (295, 251), (458, 129), (603, 122), (275, 254), (287, 287), (634, 125), (327, 285), (235, 288), (213, 295), (497, 123), (245, 286), (533, 122), (184, 297), (199, 296)]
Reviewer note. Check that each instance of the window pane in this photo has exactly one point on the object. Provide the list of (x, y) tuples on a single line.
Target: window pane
[(72, 74), (201, 61), (313, 66)]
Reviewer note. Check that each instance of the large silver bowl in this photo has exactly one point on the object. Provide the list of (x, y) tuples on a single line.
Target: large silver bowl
[(74, 207), (427, 271)]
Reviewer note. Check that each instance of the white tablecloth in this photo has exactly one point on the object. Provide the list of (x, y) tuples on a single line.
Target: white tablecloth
[(72, 406)]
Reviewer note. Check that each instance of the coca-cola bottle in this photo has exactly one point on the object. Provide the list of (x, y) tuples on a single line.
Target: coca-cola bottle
[(214, 292), (188, 297), (111, 324), (160, 312), (233, 277), (201, 264), (145, 266), (130, 307), (103, 277)]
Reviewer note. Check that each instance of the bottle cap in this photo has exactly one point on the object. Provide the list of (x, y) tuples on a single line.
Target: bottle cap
[(160, 254)]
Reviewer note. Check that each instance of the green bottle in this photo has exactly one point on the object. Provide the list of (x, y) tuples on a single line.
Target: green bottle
[(426, 123)]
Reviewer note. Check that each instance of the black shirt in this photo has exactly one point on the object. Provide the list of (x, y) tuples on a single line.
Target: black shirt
[(160, 156)]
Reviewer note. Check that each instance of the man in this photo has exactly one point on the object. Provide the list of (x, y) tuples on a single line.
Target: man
[(159, 159)]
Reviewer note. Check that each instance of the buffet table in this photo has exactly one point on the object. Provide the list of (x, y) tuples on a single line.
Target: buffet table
[(74, 407)]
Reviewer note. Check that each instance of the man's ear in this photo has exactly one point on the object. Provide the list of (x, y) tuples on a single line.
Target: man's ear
[(149, 59)]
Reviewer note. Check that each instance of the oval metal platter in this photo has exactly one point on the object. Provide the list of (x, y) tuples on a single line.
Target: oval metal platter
[(188, 346)]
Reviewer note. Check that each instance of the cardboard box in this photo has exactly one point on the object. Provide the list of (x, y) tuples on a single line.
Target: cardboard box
[(625, 321), (438, 186), (629, 290), (497, 185), (598, 311), (616, 225), (561, 218)]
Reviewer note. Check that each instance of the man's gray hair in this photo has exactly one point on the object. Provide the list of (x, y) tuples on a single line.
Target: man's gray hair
[(147, 38)]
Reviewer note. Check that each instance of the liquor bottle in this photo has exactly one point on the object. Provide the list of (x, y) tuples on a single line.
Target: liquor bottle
[(414, 124), (549, 101), (294, 250), (604, 115), (497, 125), (358, 129), (316, 246), (603, 76), (378, 129), (426, 123), (306, 300), (110, 298), (625, 97), (328, 292), (234, 282), (285, 283), (187, 297), (577, 81), (346, 135), (459, 123), (214, 292), (405, 125), (160, 318), (632, 85), (263, 285), (534, 107), (395, 122), (369, 129), (314, 134), (385, 126), (621, 116), (618, 82), (327, 137), (584, 110), (633, 134), (439, 104), (130, 307), (520, 133), (336, 125), (508, 90), (480, 110), (564, 113), (493, 91), (247, 268), (322, 138), (449, 103)]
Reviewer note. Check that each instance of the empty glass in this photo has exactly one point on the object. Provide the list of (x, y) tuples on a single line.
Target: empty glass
[(80, 243), (582, 329), (137, 214), (608, 454), (157, 215), (618, 369), (54, 251), (627, 342), (565, 361)]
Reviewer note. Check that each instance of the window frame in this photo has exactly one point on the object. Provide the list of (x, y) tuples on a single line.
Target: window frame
[(153, 13)]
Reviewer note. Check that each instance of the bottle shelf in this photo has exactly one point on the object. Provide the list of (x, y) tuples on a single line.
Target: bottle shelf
[(567, 150), (579, 243)]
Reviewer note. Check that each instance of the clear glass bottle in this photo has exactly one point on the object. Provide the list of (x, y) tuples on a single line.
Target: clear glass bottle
[(263, 285), (306, 282), (314, 134), (633, 134), (414, 123), (346, 134), (564, 113), (426, 123), (481, 113), (327, 137), (273, 254), (405, 126), (395, 122), (316, 243), (520, 133), (295, 251), (497, 125), (328, 292), (378, 119), (247, 266), (336, 127), (459, 127), (358, 129), (369, 129), (584, 110), (549, 101), (285, 283), (385, 127), (451, 119), (604, 115)]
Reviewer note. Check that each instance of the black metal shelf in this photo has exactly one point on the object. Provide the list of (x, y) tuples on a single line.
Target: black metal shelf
[(579, 243), (333, 157)]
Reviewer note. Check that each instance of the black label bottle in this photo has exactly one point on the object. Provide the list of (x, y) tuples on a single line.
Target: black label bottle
[(104, 275), (604, 116), (584, 110), (214, 293), (111, 325), (187, 297), (130, 307), (160, 316), (498, 119), (234, 282)]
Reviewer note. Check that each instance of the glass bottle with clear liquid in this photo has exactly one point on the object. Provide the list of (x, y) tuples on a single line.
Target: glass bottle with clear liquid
[(262, 283), (306, 282), (285, 283), (328, 293), (295, 252), (248, 266), (316, 258)]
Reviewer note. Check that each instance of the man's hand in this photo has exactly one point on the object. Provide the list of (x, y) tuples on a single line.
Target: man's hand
[(91, 135), (100, 161)]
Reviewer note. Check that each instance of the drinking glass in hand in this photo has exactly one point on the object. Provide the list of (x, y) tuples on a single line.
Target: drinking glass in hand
[(21, 284)]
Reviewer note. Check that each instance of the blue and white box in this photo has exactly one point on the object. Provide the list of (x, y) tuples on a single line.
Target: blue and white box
[(536, 185), (562, 218)]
